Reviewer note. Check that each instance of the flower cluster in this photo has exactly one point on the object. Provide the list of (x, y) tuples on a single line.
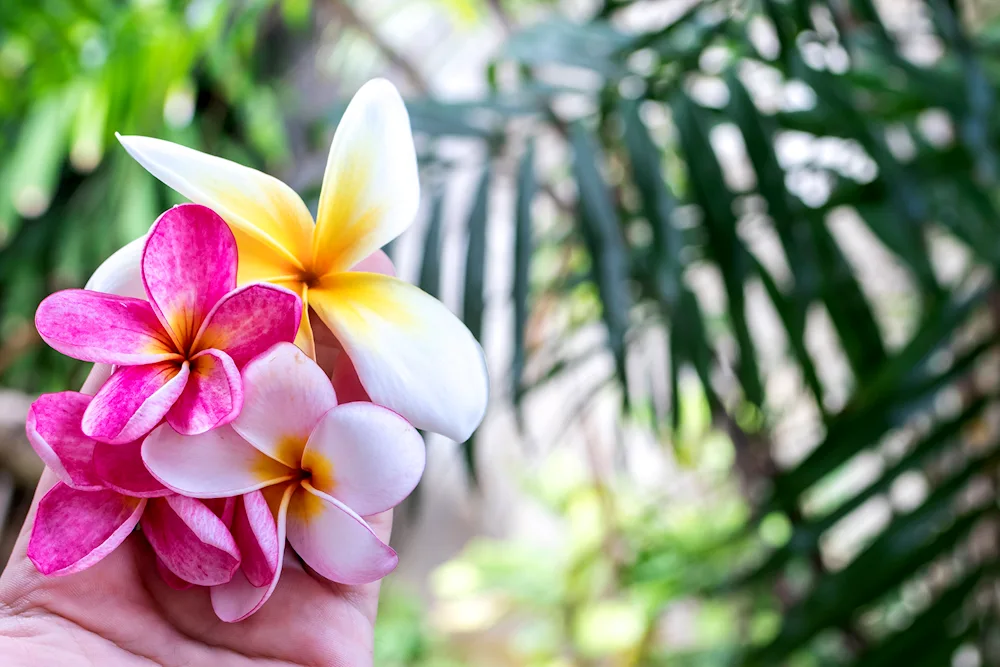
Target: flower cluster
[(216, 431)]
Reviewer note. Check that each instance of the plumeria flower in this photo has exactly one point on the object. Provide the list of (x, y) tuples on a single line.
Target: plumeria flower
[(411, 353), (322, 467), (179, 352), (104, 491)]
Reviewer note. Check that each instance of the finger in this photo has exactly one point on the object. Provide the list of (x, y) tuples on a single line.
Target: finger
[(363, 597)]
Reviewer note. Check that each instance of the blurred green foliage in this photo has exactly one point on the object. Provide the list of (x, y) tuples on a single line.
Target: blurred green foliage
[(71, 75)]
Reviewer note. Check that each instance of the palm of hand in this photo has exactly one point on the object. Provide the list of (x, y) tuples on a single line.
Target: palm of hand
[(120, 613)]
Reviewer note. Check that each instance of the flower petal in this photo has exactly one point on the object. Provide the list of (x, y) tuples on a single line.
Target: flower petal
[(365, 456), (377, 262), (216, 464), (120, 468), (258, 207), (334, 541), (224, 508), (346, 382), (188, 265), (53, 428), (411, 353), (75, 529), (171, 579), (285, 394), (192, 542), (212, 396), (371, 190), (250, 320), (256, 534), (121, 273), (133, 401), (239, 598), (91, 326)]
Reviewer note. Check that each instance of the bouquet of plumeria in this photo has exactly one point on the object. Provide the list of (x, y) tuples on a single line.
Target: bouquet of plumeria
[(261, 377)]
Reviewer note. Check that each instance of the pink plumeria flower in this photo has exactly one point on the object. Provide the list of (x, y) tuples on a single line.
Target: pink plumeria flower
[(324, 465), (179, 352), (104, 491), (410, 353)]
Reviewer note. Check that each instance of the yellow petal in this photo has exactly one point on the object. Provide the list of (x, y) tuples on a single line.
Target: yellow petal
[(257, 204), (370, 190), (411, 353)]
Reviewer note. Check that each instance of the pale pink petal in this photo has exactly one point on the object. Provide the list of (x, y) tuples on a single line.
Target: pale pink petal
[(188, 265), (133, 401), (212, 396), (249, 320), (53, 428), (120, 468), (101, 327), (216, 464), (171, 579), (412, 354), (334, 541), (256, 534), (75, 529), (377, 262), (285, 394), (365, 456), (192, 542), (239, 598)]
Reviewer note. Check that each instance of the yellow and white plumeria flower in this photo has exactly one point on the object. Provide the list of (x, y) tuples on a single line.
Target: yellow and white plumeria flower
[(412, 355)]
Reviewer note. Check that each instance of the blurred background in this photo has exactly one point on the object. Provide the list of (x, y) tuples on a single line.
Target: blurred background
[(733, 263)]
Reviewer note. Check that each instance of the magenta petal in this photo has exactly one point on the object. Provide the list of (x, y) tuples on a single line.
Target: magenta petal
[(346, 382), (193, 543), (75, 529), (224, 508), (250, 320), (188, 265), (238, 599), (53, 428), (104, 328), (256, 534), (171, 579), (120, 467), (133, 401), (212, 397)]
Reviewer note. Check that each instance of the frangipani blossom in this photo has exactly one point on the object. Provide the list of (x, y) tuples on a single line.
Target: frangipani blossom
[(322, 467), (178, 354), (411, 353), (103, 492)]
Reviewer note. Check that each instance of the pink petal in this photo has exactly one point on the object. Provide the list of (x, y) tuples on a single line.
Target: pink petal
[(133, 401), (120, 467), (188, 265), (53, 428), (171, 579), (224, 508), (216, 464), (365, 456), (101, 327), (377, 262), (212, 396), (334, 541), (256, 534), (251, 319), (285, 394), (192, 542), (75, 529), (346, 382), (239, 598)]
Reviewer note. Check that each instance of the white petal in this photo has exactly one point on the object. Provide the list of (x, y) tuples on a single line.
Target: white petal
[(121, 274), (371, 190), (411, 353)]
